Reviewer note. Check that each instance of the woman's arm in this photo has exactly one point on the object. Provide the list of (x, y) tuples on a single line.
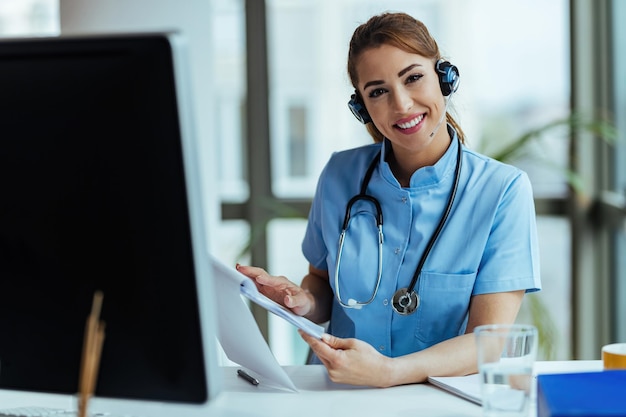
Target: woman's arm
[(355, 362)]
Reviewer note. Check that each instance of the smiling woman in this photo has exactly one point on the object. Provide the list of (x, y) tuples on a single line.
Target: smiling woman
[(504, 92), (460, 246)]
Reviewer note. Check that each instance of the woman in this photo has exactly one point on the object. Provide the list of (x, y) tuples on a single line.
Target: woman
[(459, 247)]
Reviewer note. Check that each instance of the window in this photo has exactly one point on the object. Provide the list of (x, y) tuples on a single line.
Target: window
[(229, 57), (29, 17), (512, 80), (297, 142), (619, 167), (505, 91)]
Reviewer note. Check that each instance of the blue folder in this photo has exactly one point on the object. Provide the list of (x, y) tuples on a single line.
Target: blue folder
[(588, 394)]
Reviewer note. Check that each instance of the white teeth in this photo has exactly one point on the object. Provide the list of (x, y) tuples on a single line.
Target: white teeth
[(412, 123)]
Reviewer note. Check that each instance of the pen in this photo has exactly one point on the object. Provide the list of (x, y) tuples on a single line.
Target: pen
[(247, 377)]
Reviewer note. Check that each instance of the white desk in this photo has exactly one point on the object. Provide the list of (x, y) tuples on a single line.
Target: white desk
[(320, 397)]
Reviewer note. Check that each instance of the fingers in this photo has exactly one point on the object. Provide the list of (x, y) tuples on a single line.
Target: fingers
[(260, 276), (263, 279), (321, 349), (350, 361), (327, 347), (336, 342), (254, 272), (332, 352), (279, 289)]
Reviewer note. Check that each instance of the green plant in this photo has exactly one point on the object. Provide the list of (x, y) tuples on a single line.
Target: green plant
[(531, 145), (547, 330)]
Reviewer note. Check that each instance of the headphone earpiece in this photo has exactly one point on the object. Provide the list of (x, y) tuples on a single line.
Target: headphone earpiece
[(358, 109), (448, 77)]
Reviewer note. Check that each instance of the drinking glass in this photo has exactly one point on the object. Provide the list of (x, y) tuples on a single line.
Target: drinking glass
[(506, 354)]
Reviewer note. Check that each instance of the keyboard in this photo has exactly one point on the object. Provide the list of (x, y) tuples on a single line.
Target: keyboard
[(36, 412)]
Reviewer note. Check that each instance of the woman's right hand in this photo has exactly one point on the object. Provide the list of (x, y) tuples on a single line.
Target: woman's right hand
[(279, 289)]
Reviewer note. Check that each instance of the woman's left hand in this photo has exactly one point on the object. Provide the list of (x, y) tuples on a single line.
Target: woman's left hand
[(351, 361)]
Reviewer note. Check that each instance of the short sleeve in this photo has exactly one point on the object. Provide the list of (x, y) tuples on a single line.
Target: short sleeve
[(511, 257)]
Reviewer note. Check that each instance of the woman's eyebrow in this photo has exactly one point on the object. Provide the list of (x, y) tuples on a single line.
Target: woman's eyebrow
[(400, 74), (370, 83), (407, 69)]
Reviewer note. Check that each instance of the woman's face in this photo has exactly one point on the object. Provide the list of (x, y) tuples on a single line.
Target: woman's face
[(402, 95)]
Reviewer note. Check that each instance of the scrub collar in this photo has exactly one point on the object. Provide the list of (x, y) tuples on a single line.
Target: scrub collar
[(428, 176)]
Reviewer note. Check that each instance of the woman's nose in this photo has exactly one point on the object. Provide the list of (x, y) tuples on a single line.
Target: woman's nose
[(402, 101)]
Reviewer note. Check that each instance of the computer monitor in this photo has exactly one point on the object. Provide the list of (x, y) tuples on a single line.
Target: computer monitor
[(196, 21), (100, 190)]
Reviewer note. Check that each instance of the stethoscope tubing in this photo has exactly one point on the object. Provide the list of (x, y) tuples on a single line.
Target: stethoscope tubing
[(379, 222), (353, 303), (442, 221)]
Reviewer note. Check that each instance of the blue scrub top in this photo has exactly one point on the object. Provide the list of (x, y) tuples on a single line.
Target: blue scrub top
[(489, 243)]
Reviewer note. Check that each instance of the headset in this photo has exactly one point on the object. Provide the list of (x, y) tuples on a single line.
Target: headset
[(448, 82)]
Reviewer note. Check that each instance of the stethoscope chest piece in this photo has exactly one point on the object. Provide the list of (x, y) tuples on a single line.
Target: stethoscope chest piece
[(405, 302)]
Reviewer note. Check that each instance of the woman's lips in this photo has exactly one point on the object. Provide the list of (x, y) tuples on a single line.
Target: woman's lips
[(410, 125)]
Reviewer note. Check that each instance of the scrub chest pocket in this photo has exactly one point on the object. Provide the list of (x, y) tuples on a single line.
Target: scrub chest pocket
[(444, 306)]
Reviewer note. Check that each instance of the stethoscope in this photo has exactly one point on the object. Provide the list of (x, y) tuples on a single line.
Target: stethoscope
[(406, 300)]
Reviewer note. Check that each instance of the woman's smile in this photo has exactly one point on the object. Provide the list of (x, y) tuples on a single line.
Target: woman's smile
[(410, 125)]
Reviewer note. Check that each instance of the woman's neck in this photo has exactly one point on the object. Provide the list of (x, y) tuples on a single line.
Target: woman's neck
[(403, 164)]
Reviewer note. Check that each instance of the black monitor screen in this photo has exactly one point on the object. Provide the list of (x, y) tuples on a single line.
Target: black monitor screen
[(93, 197)]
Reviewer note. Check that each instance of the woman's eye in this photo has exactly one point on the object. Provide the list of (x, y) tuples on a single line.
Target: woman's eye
[(376, 92), (413, 78)]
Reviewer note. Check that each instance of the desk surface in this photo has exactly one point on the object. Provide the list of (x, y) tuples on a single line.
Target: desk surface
[(319, 397)]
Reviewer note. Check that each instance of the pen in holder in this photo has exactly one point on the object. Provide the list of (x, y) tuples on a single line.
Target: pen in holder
[(92, 348)]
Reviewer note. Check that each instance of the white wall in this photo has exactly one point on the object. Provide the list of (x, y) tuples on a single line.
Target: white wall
[(193, 20)]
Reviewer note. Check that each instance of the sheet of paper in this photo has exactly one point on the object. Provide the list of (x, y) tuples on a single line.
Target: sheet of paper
[(249, 290), (238, 332)]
